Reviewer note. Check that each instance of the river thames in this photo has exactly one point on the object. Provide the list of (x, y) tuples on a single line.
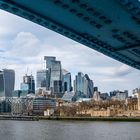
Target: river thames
[(68, 130)]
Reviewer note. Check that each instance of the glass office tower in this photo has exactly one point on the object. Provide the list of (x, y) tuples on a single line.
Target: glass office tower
[(83, 86), (79, 83), (29, 80), (7, 82), (54, 73), (66, 80), (48, 60), (43, 79), (89, 87)]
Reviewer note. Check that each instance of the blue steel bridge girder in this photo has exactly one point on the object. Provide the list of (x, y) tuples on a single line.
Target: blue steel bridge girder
[(111, 27)]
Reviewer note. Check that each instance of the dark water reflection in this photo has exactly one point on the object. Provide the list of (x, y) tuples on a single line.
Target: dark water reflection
[(69, 130)]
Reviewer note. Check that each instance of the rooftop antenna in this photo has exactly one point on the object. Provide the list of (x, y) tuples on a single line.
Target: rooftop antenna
[(27, 71)]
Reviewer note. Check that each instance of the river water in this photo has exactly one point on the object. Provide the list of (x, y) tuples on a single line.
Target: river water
[(69, 130)]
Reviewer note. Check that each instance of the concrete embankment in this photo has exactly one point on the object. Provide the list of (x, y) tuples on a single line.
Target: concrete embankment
[(19, 118), (130, 119), (36, 118)]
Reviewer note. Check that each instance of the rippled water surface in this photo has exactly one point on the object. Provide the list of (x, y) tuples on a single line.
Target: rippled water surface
[(69, 130)]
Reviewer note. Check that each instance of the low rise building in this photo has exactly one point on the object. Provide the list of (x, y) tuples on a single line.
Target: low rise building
[(68, 96), (119, 95), (109, 112), (22, 105), (5, 105), (41, 104), (104, 96), (131, 103)]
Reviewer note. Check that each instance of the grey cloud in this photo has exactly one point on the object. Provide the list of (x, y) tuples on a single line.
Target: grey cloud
[(25, 45), (2, 50), (123, 70)]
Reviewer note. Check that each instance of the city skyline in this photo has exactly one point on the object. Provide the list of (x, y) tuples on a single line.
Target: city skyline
[(23, 45)]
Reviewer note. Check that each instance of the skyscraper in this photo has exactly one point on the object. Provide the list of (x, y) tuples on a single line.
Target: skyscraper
[(57, 88), (79, 82), (48, 60), (29, 83), (48, 63), (7, 82), (83, 86), (66, 81), (43, 79), (89, 86), (54, 73)]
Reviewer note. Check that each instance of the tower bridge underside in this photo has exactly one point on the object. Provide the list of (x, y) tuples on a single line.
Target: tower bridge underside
[(111, 27)]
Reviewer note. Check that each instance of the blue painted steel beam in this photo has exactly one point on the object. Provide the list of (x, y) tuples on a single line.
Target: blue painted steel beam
[(135, 46), (111, 27)]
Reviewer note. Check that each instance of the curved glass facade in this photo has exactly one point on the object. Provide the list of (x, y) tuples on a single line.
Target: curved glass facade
[(83, 85), (67, 82)]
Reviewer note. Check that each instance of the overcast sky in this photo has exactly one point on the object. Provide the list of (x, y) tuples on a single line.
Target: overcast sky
[(23, 45)]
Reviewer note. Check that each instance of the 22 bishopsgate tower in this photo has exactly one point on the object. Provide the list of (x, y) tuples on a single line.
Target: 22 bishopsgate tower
[(52, 77)]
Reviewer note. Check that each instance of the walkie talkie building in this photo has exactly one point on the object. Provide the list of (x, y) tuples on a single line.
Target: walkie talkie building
[(7, 82)]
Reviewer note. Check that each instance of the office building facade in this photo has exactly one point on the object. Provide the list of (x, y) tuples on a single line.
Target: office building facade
[(57, 88), (89, 86), (28, 84), (43, 79), (83, 86), (40, 104), (66, 81), (119, 95), (7, 82), (54, 74)]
